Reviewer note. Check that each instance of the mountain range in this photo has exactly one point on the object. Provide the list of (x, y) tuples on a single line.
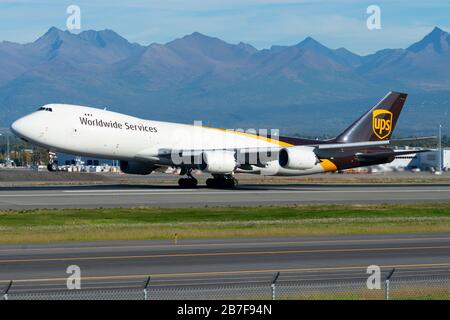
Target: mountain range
[(199, 77)]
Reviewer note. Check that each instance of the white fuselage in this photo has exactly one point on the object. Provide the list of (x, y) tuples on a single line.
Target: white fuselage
[(105, 134)]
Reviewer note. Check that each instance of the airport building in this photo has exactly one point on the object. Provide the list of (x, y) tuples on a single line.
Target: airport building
[(427, 161)]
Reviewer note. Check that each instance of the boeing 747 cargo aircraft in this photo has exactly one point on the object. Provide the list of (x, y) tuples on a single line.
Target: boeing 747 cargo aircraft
[(144, 145)]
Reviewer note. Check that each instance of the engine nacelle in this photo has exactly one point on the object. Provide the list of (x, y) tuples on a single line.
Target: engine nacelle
[(297, 158), (218, 161), (136, 167)]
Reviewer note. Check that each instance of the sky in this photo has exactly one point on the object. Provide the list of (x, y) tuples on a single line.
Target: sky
[(261, 23)]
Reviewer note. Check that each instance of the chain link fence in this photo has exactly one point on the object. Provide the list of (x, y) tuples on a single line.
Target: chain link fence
[(425, 288), (401, 288)]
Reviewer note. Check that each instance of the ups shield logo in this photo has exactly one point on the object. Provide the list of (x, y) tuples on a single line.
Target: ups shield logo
[(382, 123)]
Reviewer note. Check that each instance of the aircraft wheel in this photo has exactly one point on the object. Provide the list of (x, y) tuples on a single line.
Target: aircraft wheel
[(52, 167), (230, 183), (221, 183), (187, 183), (211, 183)]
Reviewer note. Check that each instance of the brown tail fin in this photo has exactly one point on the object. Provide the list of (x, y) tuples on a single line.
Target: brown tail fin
[(378, 123)]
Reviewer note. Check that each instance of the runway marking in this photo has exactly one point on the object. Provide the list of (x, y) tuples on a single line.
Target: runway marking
[(260, 190), (234, 272), (233, 279), (192, 245), (94, 282), (230, 192), (64, 289), (212, 254), (129, 190)]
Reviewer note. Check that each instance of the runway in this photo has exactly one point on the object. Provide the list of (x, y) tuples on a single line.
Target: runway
[(215, 262), (91, 196)]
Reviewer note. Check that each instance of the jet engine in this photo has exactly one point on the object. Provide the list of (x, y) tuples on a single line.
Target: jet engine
[(136, 167), (218, 161), (297, 158)]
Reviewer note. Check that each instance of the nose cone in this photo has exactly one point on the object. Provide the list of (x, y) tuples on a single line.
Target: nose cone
[(17, 127), (32, 128), (24, 128)]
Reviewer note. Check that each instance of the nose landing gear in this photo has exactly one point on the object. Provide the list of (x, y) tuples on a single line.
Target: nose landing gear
[(52, 167), (52, 163)]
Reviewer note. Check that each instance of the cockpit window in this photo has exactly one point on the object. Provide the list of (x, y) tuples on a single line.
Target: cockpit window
[(45, 109)]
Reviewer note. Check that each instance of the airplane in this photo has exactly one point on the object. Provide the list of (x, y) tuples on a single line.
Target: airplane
[(142, 146)]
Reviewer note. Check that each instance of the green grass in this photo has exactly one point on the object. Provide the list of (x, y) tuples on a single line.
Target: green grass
[(154, 223), (411, 294)]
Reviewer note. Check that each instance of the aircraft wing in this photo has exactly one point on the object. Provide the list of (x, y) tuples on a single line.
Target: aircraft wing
[(328, 146), (322, 150)]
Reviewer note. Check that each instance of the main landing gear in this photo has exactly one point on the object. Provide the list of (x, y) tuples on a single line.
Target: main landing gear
[(52, 163), (222, 182), (189, 182), (219, 181)]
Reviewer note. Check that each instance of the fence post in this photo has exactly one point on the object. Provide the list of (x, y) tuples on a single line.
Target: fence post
[(274, 280), (5, 292), (386, 290), (147, 282), (387, 284)]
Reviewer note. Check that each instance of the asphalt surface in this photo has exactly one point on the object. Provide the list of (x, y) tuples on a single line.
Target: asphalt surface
[(119, 195), (215, 262)]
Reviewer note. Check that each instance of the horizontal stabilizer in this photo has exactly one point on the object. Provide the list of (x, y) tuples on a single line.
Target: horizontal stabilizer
[(386, 155), (351, 145), (413, 139)]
